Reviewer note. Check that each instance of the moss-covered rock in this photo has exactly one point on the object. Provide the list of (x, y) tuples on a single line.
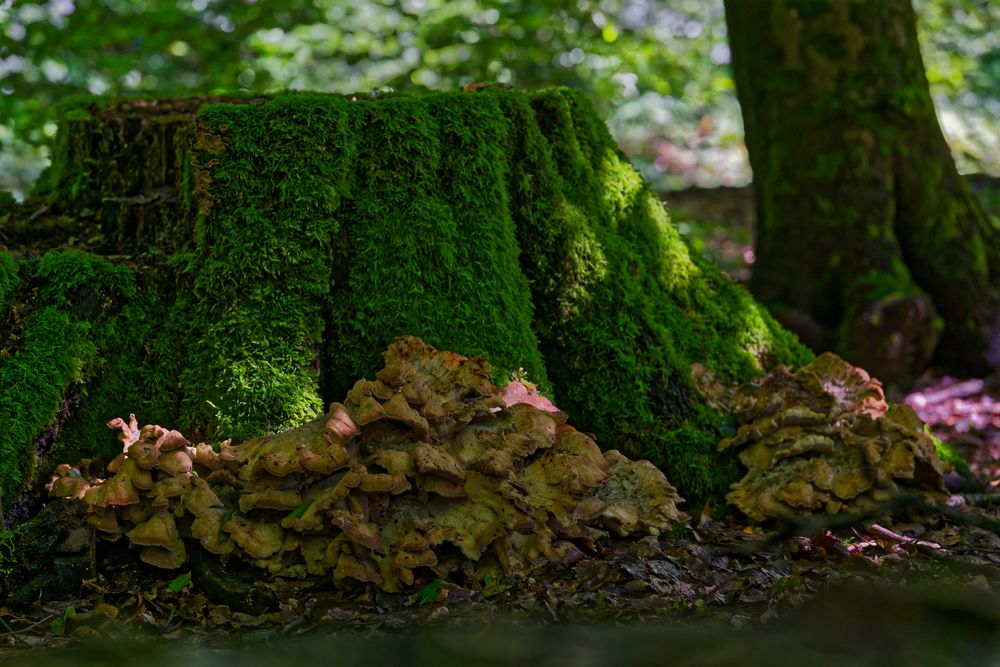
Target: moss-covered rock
[(496, 223)]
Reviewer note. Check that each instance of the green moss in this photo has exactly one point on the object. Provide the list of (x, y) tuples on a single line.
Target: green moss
[(56, 350), (622, 305), (494, 223), (946, 453), (427, 245), (9, 280), (66, 275), (260, 275), (378, 198), (82, 356), (141, 343), (69, 175)]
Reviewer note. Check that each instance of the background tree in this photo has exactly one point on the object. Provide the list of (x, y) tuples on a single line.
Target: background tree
[(659, 71), (866, 233)]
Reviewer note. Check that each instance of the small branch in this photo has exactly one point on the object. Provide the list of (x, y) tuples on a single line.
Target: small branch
[(15, 633)]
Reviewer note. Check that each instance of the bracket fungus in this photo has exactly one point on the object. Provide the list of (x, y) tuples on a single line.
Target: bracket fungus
[(429, 466), (822, 439)]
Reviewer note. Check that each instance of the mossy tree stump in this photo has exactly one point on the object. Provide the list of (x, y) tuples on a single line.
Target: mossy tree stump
[(496, 223)]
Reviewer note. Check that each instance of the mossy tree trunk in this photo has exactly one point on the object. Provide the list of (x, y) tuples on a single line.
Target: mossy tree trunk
[(868, 240)]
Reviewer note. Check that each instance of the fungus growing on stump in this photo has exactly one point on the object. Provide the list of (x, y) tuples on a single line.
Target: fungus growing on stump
[(822, 439), (428, 454)]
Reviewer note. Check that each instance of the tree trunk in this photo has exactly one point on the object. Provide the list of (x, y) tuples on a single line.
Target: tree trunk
[(868, 241)]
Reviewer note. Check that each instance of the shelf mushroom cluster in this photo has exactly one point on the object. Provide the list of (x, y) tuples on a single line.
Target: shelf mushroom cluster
[(822, 439), (430, 465)]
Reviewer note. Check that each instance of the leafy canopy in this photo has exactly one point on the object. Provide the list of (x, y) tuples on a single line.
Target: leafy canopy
[(658, 69)]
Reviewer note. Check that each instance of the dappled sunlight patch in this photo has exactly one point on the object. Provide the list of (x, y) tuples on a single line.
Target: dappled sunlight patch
[(675, 268), (621, 184)]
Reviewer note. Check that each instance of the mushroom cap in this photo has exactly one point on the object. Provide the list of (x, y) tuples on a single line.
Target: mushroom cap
[(144, 453), (330, 457), (105, 520), (206, 456), (116, 463), (356, 529), (429, 459), (142, 479), (200, 499), (394, 483), (274, 499), (172, 440), (257, 539), (339, 423), (116, 491), (136, 514), (67, 487), (174, 462), (518, 392), (414, 559), (159, 530), (367, 411), (394, 460), (398, 409), (363, 569), (167, 559), (129, 430), (207, 529), (169, 487)]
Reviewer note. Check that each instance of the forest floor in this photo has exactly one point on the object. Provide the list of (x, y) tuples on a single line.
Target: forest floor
[(918, 586)]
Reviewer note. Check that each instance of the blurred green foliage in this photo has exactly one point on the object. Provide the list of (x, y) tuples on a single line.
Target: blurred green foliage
[(658, 70)]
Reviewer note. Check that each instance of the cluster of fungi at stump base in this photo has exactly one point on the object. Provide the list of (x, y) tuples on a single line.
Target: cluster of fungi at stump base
[(822, 439), (430, 467)]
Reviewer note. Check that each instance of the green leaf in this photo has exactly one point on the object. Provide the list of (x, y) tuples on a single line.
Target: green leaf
[(179, 583), (494, 585), (301, 509), (58, 626), (429, 592)]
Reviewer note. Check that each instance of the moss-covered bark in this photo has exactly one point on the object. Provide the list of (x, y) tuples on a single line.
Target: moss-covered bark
[(867, 237), (125, 164), (493, 223), (75, 345)]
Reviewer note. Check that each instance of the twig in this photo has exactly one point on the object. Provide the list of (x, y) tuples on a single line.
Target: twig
[(12, 632), (898, 538), (817, 525), (38, 212), (29, 627)]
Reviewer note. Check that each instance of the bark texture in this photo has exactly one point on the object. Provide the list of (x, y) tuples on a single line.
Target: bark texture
[(869, 243)]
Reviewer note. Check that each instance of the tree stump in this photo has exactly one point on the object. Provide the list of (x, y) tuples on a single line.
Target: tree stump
[(325, 226)]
